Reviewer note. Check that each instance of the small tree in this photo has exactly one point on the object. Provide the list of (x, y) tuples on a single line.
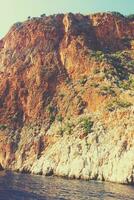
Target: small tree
[(43, 15), (29, 17)]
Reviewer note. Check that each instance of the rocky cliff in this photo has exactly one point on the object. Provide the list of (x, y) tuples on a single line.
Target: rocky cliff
[(67, 97)]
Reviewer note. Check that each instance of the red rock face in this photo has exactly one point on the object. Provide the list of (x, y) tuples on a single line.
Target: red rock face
[(38, 58), (67, 89), (111, 30)]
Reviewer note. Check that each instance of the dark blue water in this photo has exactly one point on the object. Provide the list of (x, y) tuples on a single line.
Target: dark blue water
[(29, 187)]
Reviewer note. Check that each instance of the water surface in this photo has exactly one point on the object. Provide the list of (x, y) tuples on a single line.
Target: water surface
[(15, 186)]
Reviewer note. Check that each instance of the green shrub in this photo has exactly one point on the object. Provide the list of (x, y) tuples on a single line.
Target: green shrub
[(115, 59), (107, 90), (17, 25), (43, 15), (96, 71), (131, 17), (60, 131), (110, 107), (130, 65), (117, 14), (119, 61), (3, 127), (62, 95), (124, 85), (83, 80), (52, 118), (81, 104), (131, 82), (86, 124), (98, 55), (82, 91), (126, 41), (69, 127), (67, 80), (124, 104), (109, 72), (59, 118), (50, 109), (127, 85), (117, 104), (95, 85)]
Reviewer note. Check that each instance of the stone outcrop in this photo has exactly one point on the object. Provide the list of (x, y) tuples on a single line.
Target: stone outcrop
[(67, 97)]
